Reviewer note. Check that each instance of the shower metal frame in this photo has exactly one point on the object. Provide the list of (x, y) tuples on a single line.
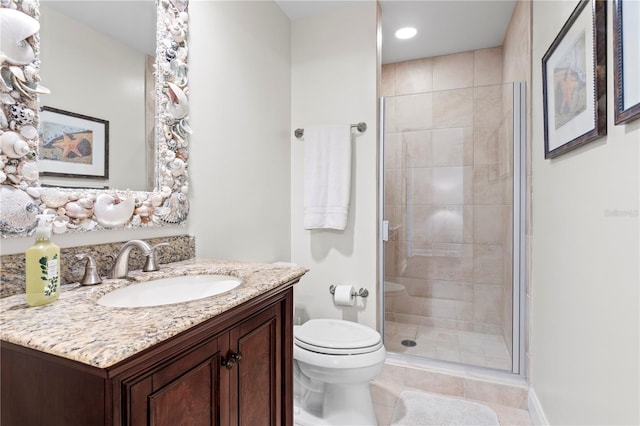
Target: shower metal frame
[(519, 317)]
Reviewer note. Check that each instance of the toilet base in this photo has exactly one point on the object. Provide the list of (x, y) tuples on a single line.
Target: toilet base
[(343, 405), (301, 417), (349, 405)]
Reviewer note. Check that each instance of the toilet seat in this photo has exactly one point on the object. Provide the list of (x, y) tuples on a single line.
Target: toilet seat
[(337, 337)]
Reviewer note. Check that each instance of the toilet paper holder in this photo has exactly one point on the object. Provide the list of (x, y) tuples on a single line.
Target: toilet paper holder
[(363, 292)]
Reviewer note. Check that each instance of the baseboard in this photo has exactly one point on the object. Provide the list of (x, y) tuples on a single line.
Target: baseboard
[(535, 409)]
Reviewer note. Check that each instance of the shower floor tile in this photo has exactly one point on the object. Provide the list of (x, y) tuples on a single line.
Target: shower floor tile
[(482, 350)]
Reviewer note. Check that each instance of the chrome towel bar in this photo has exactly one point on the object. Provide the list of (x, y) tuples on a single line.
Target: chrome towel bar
[(361, 126)]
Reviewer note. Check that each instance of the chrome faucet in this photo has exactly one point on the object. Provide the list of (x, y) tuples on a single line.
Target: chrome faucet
[(120, 267), (91, 276)]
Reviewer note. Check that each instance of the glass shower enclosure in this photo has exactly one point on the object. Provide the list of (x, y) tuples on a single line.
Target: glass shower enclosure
[(452, 206)]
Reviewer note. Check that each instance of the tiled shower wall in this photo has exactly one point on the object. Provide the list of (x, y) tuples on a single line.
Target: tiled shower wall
[(448, 177)]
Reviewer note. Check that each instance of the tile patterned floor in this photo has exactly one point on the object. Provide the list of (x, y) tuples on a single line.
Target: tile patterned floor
[(483, 350)]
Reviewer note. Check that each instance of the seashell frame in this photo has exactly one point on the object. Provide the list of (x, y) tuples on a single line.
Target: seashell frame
[(171, 134)]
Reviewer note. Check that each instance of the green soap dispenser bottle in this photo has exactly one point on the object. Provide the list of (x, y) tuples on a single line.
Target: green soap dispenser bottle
[(43, 266)]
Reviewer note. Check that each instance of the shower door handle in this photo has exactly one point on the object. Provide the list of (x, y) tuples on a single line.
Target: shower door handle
[(385, 230)]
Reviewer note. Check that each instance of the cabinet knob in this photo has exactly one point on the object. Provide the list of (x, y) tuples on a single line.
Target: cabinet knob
[(233, 358), (228, 363)]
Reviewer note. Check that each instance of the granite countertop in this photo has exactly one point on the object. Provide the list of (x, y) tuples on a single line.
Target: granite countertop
[(77, 328)]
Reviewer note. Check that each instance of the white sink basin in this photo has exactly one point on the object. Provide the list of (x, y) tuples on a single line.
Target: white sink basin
[(166, 291)]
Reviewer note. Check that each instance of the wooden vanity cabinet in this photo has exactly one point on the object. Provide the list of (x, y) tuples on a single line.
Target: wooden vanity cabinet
[(234, 369)]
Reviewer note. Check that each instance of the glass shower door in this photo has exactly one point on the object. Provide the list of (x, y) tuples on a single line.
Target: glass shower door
[(451, 209)]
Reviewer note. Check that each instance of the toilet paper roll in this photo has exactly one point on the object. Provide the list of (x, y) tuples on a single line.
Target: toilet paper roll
[(344, 295)]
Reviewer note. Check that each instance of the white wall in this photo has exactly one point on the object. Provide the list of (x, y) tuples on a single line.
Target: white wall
[(19, 245), (240, 113), (585, 290), (91, 74), (334, 72)]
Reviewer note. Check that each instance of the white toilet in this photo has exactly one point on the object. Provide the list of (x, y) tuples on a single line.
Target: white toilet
[(334, 360)]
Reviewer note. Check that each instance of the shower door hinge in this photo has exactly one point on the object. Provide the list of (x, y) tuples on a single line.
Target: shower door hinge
[(385, 230)]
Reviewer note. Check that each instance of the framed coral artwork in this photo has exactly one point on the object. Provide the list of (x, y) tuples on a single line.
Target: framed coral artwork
[(626, 55), (73, 145), (574, 81)]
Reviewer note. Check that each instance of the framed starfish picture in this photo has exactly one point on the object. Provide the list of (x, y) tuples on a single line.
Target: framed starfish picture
[(73, 145)]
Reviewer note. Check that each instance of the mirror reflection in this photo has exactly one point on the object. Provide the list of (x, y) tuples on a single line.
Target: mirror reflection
[(97, 58), (83, 206)]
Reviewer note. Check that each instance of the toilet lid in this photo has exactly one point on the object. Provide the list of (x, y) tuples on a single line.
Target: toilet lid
[(337, 337)]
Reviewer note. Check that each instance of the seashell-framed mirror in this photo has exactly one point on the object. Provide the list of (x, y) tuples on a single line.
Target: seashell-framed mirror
[(22, 196)]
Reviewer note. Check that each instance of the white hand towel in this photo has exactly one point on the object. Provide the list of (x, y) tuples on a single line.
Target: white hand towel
[(327, 176)]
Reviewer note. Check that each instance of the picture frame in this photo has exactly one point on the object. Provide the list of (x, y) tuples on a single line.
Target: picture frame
[(574, 80), (73, 145), (626, 64)]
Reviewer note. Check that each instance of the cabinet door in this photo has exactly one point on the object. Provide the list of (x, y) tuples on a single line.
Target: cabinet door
[(183, 391), (257, 380)]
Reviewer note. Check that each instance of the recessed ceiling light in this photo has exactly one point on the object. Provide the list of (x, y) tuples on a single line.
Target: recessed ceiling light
[(405, 33)]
